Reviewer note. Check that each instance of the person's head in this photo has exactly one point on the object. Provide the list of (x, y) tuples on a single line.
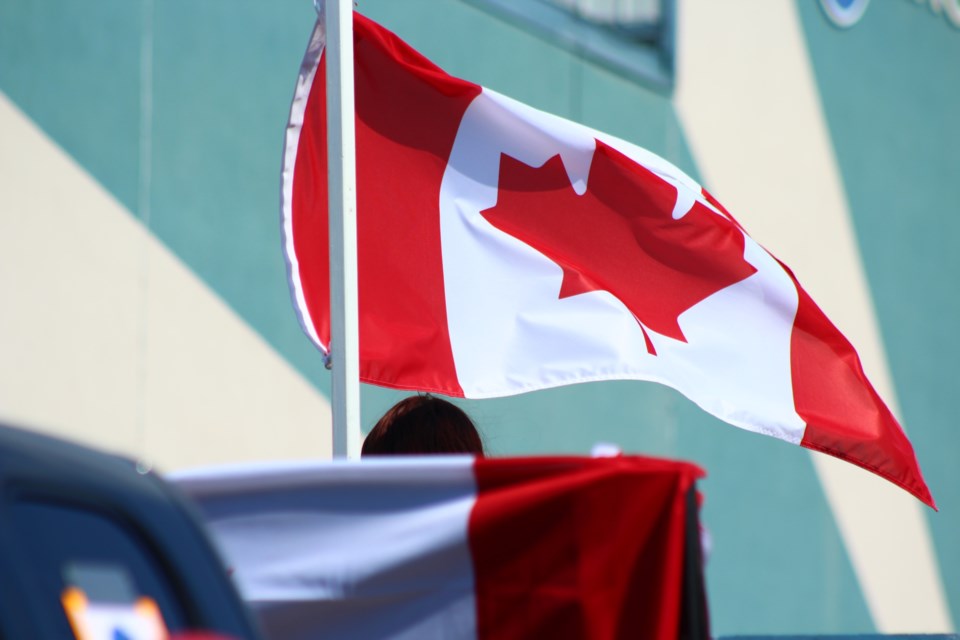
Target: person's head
[(423, 424)]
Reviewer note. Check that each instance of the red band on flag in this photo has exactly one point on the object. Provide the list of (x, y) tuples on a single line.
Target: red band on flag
[(610, 563), (406, 125), (845, 416)]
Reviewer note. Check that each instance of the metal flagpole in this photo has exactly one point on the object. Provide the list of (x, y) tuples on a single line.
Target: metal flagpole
[(342, 181)]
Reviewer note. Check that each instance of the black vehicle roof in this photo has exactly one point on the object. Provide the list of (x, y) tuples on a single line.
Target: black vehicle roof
[(34, 466)]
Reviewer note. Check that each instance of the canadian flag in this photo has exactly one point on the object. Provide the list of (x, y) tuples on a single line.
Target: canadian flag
[(502, 250), (456, 547)]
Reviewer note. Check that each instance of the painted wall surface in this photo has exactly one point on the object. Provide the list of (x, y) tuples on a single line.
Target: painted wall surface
[(890, 91), (156, 129), (117, 262)]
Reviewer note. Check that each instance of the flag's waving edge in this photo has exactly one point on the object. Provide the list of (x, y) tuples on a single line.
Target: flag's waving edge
[(504, 250), (291, 145), (844, 414)]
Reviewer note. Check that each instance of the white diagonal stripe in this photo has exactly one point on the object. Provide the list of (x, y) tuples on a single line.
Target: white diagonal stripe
[(74, 311), (749, 104)]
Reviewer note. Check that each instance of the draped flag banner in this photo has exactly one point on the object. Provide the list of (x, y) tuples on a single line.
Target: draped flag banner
[(502, 250), (457, 547)]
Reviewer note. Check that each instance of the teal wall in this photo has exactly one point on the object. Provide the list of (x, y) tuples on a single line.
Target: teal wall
[(207, 185), (222, 79), (891, 93)]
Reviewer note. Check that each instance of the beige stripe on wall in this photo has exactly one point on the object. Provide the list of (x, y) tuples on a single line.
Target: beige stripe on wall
[(750, 108), (108, 339)]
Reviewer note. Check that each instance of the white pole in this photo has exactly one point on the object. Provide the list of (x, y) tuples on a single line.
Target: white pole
[(342, 181)]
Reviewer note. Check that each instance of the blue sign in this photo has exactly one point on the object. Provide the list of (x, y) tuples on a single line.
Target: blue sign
[(844, 13)]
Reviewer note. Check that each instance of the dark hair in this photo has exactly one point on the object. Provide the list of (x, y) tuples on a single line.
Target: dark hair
[(423, 424)]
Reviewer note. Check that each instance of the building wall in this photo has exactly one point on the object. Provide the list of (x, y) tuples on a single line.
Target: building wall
[(144, 307), (889, 94)]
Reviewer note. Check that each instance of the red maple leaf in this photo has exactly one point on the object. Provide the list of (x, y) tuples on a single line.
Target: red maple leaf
[(620, 236)]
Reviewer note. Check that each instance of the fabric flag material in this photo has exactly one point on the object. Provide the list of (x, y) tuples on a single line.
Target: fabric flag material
[(452, 547), (502, 250)]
